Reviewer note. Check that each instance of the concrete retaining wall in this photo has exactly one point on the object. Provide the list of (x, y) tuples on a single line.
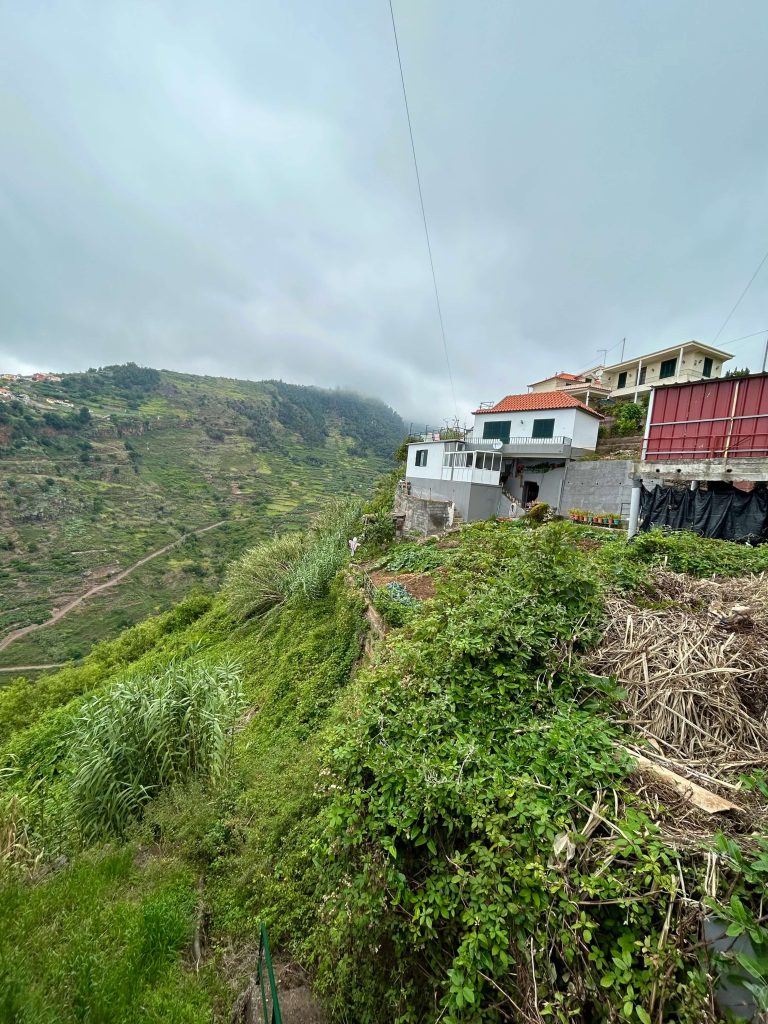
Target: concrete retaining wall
[(604, 485), (473, 501)]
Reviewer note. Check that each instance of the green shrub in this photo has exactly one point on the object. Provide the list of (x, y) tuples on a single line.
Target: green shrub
[(145, 735), (311, 576), (394, 603), (683, 551), (379, 527), (416, 558), (630, 418), (475, 751), (538, 513)]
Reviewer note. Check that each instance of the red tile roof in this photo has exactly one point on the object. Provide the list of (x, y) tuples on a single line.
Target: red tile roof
[(539, 401), (557, 376)]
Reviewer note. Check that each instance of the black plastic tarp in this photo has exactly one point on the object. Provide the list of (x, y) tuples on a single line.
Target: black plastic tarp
[(726, 514)]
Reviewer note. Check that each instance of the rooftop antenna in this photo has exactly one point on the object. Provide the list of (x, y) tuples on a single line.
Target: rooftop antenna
[(605, 354)]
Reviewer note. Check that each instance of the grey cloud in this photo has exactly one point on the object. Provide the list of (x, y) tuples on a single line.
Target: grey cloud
[(228, 189)]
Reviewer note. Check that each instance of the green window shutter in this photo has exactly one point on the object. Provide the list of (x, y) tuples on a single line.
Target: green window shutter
[(543, 428), (667, 368), (497, 430)]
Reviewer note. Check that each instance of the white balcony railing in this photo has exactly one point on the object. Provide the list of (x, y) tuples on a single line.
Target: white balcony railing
[(519, 443)]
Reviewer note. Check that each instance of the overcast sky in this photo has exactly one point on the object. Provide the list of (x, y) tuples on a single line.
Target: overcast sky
[(227, 187)]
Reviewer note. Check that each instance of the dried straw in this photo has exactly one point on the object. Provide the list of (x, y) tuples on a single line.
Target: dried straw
[(694, 687)]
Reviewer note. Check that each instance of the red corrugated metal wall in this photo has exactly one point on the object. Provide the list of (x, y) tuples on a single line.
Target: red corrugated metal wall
[(709, 420)]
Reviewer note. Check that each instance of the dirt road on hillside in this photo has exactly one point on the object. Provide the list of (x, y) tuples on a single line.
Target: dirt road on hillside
[(32, 668), (58, 615)]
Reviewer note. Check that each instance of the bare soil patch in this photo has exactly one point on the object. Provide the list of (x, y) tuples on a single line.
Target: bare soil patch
[(419, 585)]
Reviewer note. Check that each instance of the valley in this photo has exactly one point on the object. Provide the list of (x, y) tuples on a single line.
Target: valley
[(144, 463)]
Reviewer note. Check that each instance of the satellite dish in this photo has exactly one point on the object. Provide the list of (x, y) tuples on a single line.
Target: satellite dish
[(497, 445)]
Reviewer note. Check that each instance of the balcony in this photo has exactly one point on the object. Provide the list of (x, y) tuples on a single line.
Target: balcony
[(554, 447)]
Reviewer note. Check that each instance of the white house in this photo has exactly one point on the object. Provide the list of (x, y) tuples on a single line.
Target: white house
[(518, 449), (587, 386)]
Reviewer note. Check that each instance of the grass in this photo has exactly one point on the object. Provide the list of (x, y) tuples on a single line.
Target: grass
[(250, 835), (101, 940)]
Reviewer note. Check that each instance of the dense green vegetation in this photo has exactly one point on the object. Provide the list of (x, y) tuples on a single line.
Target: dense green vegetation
[(139, 458), (444, 830)]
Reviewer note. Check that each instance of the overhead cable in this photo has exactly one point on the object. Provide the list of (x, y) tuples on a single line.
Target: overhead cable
[(738, 301), (423, 212)]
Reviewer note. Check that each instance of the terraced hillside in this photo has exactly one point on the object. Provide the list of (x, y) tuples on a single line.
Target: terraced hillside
[(139, 459)]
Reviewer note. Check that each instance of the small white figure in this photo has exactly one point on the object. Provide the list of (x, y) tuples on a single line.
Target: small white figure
[(354, 544)]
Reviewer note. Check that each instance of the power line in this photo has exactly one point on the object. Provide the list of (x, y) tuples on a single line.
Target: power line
[(744, 337), (738, 301), (423, 211), (731, 341)]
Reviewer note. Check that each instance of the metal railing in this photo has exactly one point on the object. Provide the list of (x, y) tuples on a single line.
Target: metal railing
[(270, 1007), (559, 441)]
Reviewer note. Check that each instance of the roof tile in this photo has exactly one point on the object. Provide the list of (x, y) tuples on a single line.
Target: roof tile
[(538, 402)]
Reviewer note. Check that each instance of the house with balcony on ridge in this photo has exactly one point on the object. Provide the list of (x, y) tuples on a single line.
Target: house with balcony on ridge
[(516, 453), (587, 387), (679, 364)]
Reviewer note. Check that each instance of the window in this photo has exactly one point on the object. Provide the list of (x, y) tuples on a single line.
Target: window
[(667, 368), (469, 458), (707, 371), (497, 430), (421, 456), (641, 376), (622, 380), (543, 428), (487, 460)]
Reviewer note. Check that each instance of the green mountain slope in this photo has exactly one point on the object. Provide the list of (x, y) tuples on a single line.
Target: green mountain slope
[(103, 468)]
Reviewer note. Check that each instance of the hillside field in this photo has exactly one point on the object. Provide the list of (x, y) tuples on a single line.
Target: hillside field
[(140, 459)]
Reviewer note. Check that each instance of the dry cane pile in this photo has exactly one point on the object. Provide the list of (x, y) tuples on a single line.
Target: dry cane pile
[(694, 664)]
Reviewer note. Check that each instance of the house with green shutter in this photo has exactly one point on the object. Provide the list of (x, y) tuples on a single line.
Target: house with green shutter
[(679, 364), (515, 454)]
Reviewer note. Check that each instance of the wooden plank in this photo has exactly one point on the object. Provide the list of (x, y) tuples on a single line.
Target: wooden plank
[(690, 791)]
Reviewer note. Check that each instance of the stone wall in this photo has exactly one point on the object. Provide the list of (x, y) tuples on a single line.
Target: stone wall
[(424, 516)]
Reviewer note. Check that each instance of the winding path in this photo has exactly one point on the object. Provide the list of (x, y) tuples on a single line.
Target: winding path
[(58, 615), (32, 668)]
